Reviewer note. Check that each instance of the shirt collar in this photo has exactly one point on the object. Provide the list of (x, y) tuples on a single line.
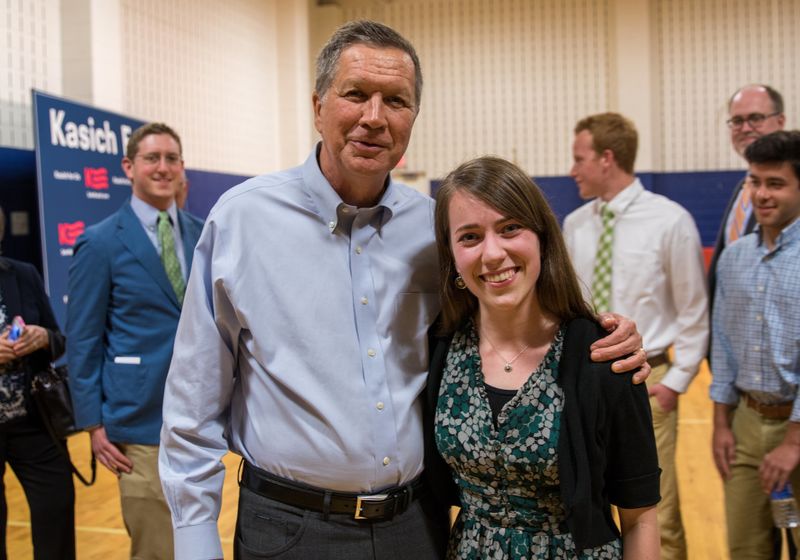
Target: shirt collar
[(328, 205), (148, 215), (624, 198), (789, 234)]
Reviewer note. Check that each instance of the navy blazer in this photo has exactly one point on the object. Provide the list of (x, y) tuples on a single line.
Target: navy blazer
[(720, 244), (121, 321), (24, 295)]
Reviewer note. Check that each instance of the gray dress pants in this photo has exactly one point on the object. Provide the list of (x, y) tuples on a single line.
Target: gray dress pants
[(266, 528)]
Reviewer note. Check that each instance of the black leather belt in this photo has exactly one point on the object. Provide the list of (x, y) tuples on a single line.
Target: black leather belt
[(659, 360), (371, 507)]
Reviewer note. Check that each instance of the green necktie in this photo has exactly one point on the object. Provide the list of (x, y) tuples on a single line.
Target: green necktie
[(601, 282), (168, 255)]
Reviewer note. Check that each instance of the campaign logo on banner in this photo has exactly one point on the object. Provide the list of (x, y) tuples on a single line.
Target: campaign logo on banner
[(68, 233), (95, 178), (96, 182), (79, 151)]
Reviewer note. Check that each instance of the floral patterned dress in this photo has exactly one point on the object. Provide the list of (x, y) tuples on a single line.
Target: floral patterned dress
[(507, 475)]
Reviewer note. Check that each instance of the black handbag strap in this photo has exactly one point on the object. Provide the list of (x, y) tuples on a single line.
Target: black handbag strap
[(63, 450)]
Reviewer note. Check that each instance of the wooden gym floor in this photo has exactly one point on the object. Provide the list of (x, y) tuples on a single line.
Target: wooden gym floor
[(101, 534)]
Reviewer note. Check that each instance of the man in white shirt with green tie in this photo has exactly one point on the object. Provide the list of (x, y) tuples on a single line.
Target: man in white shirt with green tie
[(639, 253)]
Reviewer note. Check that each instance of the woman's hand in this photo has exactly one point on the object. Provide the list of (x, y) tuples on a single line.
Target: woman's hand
[(33, 338), (6, 349)]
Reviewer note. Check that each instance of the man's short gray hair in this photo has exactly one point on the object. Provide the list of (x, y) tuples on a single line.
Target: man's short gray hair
[(363, 32)]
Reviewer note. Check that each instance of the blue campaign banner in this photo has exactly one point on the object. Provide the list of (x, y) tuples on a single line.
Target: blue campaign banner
[(79, 151)]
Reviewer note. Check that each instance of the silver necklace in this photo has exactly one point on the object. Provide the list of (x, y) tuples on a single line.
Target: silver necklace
[(507, 367)]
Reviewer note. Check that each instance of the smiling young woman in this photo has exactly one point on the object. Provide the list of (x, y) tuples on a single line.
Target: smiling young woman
[(523, 417)]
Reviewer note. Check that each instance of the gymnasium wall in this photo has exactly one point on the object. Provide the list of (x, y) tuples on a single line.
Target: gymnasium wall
[(507, 77), (512, 77)]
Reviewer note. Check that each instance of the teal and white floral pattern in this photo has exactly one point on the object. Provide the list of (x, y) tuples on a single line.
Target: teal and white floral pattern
[(507, 475)]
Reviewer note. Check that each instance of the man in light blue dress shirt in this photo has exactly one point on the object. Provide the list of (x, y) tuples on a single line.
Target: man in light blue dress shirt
[(756, 357), (302, 345)]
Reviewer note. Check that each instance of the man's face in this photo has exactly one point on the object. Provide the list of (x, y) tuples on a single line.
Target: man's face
[(775, 192), (365, 117), (752, 101), (156, 170), (589, 167)]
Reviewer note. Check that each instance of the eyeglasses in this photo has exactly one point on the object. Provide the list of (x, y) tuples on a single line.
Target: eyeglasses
[(755, 120), (154, 159)]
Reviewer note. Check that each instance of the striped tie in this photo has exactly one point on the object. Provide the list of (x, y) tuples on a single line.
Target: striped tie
[(601, 283), (741, 213), (168, 255)]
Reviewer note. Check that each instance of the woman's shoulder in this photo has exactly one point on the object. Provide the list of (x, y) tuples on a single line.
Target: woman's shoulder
[(584, 327), (20, 267), (581, 333)]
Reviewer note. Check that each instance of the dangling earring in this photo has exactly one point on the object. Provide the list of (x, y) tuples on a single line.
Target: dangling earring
[(459, 281)]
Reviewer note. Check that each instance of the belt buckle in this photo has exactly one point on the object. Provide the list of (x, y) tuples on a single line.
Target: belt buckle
[(360, 500)]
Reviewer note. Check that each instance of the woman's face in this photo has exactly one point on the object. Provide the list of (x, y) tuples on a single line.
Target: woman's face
[(497, 256)]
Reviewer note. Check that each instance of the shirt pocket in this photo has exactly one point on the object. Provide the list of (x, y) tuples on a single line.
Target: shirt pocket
[(124, 388), (637, 274)]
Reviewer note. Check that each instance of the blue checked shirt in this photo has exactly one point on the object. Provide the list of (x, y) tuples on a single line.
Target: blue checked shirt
[(756, 321)]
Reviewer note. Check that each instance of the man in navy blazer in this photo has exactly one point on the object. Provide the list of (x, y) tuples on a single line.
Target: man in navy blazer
[(126, 284), (754, 111)]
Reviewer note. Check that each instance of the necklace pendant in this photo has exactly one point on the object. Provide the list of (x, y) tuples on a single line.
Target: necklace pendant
[(507, 368)]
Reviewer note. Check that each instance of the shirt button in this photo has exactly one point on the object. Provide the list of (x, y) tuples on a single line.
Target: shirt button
[(759, 318), (358, 250), (364, 301), (331, 225), (760, 288), (371, 353), (386, 461), (379, 406), (757, 348)]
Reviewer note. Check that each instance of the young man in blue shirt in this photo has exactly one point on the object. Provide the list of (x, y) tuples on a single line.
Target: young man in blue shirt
[(755, 356)]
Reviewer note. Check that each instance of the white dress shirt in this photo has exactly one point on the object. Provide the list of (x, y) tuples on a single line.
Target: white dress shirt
[(658, 277)]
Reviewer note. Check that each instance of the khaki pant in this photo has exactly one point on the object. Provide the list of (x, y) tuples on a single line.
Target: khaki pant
[(665, 426), (747, 509), (144, 510)]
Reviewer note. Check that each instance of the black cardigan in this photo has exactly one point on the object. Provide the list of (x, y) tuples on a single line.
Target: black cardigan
[(607, 451), (24, 295)]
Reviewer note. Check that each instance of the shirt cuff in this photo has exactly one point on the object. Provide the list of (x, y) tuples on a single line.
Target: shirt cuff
[(198, 542), (724, 393), (677, 380)]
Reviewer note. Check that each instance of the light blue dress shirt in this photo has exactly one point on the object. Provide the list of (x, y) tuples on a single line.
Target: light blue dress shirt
[(301, 345), (756, 321), (148, 216)]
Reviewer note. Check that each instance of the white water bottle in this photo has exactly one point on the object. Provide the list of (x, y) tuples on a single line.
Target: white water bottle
[(784, 508)]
